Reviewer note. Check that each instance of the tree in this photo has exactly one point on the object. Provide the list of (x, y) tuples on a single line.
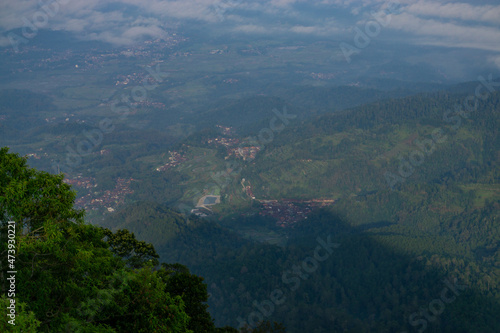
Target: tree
[(144, 306), (25, 320), (30, 197), (180, 282), (135, 253), (72, 276)]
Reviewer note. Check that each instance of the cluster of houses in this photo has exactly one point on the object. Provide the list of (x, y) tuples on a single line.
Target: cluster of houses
[(175, 159), (136, 78), (226, 142), (288, 212), (149, 104), (232, 145), (246, 153), (82, 182), (109, 199), (323, 76), (91, 60)]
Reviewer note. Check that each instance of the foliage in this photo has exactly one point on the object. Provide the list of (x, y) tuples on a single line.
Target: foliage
[(25, 319), (135, 253), (75, 277), (181, 283), (396, 246)]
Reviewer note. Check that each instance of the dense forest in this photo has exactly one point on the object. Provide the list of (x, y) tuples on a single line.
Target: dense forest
[(411, 243), (363, 149), (371, 280), (401, 243), (60, 274)]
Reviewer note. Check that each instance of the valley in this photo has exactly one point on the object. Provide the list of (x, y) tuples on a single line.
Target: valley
[(296, 188)]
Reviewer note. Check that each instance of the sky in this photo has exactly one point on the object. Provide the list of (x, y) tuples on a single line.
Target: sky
[(466, 24)]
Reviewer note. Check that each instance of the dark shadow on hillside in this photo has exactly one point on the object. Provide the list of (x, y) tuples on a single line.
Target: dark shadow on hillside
[(313, 285)]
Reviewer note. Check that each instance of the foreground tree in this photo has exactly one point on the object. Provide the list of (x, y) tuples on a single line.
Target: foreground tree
[(71, 276), (75, 277), (134, 252), (180, 282)]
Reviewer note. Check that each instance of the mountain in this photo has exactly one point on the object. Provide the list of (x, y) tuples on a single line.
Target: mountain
[(399, 238)]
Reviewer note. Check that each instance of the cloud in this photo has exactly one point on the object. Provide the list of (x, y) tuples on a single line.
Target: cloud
[(433, 32), (432, 22), (461, 11), (495, 60), (304, 30), (249, 28)]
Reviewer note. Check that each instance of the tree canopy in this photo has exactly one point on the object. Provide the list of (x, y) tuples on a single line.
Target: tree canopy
[(76, 277)]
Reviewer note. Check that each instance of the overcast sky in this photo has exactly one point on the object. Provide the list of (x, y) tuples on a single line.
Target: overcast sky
[(467, 24)]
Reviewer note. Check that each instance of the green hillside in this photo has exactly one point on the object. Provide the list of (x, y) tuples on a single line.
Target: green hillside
[(358, 151), (416, 203), (398, 242)]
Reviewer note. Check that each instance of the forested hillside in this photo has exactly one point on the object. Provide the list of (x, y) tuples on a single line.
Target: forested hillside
[(59, 274), (355, 151), (401, 239), (242, 166), (410, 241)]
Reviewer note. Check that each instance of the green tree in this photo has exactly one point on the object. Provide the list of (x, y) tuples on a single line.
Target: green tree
[(146, 307), (77, 277), (135, 253), (180, 282), (25, 320)]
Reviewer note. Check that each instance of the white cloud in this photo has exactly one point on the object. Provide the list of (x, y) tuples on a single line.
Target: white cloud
[(435, 22), (462, 11), (495, 60), (304, 30), (249, 28), (448, 34)]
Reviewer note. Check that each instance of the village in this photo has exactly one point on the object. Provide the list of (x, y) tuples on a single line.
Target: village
[(233, 145), (288, 212), (175, 159), (109, 199), (92, 60), (285, 212), (245, 153)]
